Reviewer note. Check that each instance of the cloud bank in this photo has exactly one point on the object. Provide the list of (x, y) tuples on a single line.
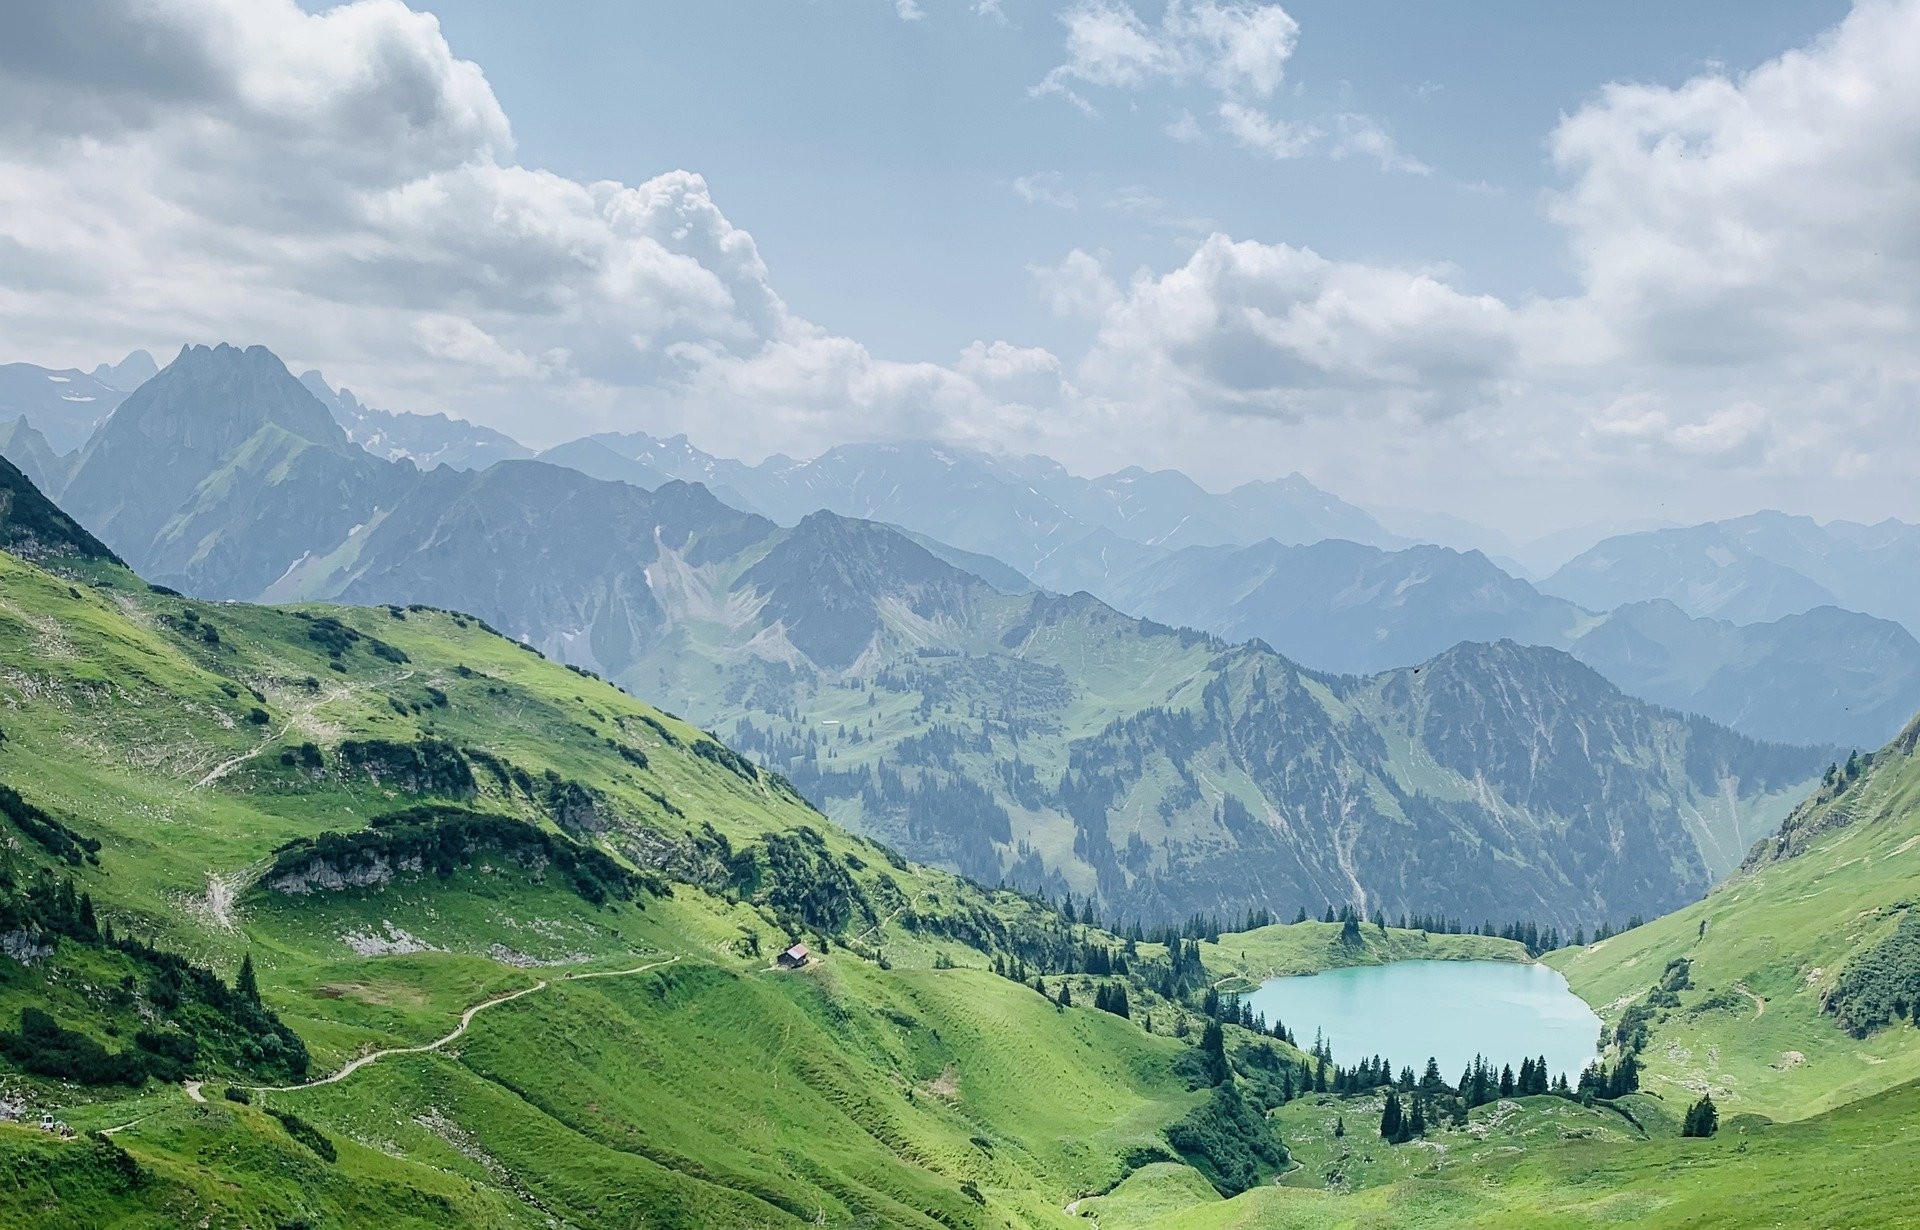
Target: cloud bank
[(343, 188)]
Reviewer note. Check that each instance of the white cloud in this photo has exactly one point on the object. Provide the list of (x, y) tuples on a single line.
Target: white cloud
[(1749, 257), (1264, 134), (1361, 136), (1045, 188), (908, 10), (342, 188), (1239, 49), (1273, 330)]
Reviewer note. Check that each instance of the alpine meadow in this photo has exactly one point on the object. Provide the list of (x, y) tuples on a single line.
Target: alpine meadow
[(649, 617)]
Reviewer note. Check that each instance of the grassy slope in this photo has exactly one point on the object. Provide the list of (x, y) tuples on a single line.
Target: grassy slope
[(1772, 941), (1312, 947), (716, 1091), (1838, 1169)]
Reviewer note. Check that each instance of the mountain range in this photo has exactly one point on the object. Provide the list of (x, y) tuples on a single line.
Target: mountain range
[(1754, 569), (322, 915), (1312, 589), (1018, 734), (1825, 674)]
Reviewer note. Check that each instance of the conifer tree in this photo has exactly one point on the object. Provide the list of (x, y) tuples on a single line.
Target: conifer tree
[(246, 984), (1390, 1120), (1213, 1050), (1703, 1119)]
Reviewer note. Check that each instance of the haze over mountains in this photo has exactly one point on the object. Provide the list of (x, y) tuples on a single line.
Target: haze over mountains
[(997, 727), (1759, 644)]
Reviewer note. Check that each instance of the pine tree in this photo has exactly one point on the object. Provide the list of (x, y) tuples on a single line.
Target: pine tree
[(1390, 1120), (88, 922), (1703, 1119), (245, 984), (1417, 1124), (1213, 1050)]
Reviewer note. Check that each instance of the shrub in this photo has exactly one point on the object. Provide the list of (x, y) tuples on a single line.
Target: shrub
[(1229, 1141), (307, 1134)]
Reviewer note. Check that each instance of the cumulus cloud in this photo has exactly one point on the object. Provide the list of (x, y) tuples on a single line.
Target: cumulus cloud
[(1274, 330), (343, 188), (1748, 249)]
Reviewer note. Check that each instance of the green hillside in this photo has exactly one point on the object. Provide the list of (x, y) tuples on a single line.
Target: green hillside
[(398, 815), (513, 935), (1803, 970)]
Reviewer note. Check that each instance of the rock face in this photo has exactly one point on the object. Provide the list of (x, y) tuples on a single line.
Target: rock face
[(33, 527), (26, 947), (425, 440), (221, 472)]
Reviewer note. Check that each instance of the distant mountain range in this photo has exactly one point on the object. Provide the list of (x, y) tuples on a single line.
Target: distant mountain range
[(1002, 730), (1754, 569), (426, 440), (1318, 579), (1816, 676)]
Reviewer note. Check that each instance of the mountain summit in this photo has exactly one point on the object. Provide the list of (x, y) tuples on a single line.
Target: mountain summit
[(221, 471)]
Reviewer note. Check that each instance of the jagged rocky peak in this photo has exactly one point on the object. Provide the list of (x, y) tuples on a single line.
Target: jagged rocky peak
[(210, 399)]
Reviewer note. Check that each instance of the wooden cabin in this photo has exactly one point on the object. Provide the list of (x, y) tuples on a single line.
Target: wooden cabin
[(793, 958)]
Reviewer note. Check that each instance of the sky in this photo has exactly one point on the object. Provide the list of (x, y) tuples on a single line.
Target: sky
[(1534, 264)]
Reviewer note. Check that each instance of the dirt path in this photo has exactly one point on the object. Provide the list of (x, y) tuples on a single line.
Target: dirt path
[(193, 1091), (297, 715), (466, 1019), (1759, 1005), (875, 928)]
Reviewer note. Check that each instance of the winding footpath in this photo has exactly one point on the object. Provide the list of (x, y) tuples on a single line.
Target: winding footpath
[(466, 1019)]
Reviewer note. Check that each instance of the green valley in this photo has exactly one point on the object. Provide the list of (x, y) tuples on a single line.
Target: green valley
[(508, 938)]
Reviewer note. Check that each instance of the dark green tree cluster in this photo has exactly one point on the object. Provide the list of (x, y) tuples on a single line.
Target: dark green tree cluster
[(424, 766), (1112, 997), (1702, 1119), (1398, 1125), (442, 838), (191, 1017), (1881, 986), (1229, 1140), (46, 832), (796, 876)]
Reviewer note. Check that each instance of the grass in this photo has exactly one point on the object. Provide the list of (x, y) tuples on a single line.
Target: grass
[(915, 1090), (711, 1092), (1764, 948), (1283, 950)]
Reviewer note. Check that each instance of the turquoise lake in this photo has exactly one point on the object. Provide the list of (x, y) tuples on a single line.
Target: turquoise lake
[(1450, 1010)]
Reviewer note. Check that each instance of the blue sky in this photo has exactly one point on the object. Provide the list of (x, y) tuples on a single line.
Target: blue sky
[(874, 159), (1533, 264)]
